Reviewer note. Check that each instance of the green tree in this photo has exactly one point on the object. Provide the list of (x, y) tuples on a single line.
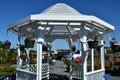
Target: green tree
[(12, 56), (3, 56), (0, 45)]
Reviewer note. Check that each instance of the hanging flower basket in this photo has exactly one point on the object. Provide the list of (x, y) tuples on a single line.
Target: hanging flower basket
[(115, 46), (6, 44), (29, 42), (98, 49), (73, 48), (93, 44), (44, 48)]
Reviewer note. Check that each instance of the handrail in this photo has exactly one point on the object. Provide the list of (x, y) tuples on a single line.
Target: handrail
[(94, 72)]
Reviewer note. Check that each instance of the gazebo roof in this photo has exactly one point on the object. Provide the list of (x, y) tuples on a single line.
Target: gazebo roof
[(55, 19), (58, 10)]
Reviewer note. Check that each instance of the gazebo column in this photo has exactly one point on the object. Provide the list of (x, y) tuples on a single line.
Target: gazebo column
[(102, 56), (48, 52), (19, 61), (84, 57), (39, 58), (84, 47), (102, 59), (71, 54), (48, 55), (27, 56), (40, 40), (92, 59), (70, 45)]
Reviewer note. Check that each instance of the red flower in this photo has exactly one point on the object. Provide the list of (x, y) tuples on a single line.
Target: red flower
[(78, 59), (7, 41), (29, 38)]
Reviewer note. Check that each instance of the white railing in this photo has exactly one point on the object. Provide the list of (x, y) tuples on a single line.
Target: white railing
[(25, 75), (77, 71), (95, 75), (29, 73)]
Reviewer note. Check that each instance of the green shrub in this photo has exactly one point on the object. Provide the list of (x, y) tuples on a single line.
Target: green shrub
[(7, 70), (2, 73)]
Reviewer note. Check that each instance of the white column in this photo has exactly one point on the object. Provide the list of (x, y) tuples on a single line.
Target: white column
[(84, 57), (48, 52), (71, 54), (84, 46), (92, 59), (48, 55), (102, 61), (39, 58), (102, 57), (27, 56), (19, 61)]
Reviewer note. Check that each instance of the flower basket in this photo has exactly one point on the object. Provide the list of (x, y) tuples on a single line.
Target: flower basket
[(6, 45), (29, 41), (98, 49), (73, 48), (93, 44), (44, 48), (115, 46)]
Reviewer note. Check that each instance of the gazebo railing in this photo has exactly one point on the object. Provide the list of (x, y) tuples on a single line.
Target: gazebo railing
[(77, 71), (96, 75), (30, 72)]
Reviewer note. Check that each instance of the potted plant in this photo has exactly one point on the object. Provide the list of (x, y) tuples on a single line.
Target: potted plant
[(93, 43), (6, 44), (115, 46), (29, 41)]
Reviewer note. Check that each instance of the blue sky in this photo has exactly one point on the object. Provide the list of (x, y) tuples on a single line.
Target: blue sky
[(13, 10)]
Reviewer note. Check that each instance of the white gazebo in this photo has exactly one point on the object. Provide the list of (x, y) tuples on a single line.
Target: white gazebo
[(60, 21)]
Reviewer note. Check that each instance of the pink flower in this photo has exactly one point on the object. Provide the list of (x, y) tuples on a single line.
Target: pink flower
[(7, 41), (78, 59), (29, 37)]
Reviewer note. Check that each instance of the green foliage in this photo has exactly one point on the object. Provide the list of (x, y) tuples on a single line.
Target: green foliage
[(12, 56), (107, 56), (3, 56), (96, 38), (7, 70), (109, 50), (107, 65), (1, 44), (97, 64), (7, 56)]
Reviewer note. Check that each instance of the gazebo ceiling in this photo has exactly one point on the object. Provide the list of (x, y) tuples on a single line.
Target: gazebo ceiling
[(59, 20)]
